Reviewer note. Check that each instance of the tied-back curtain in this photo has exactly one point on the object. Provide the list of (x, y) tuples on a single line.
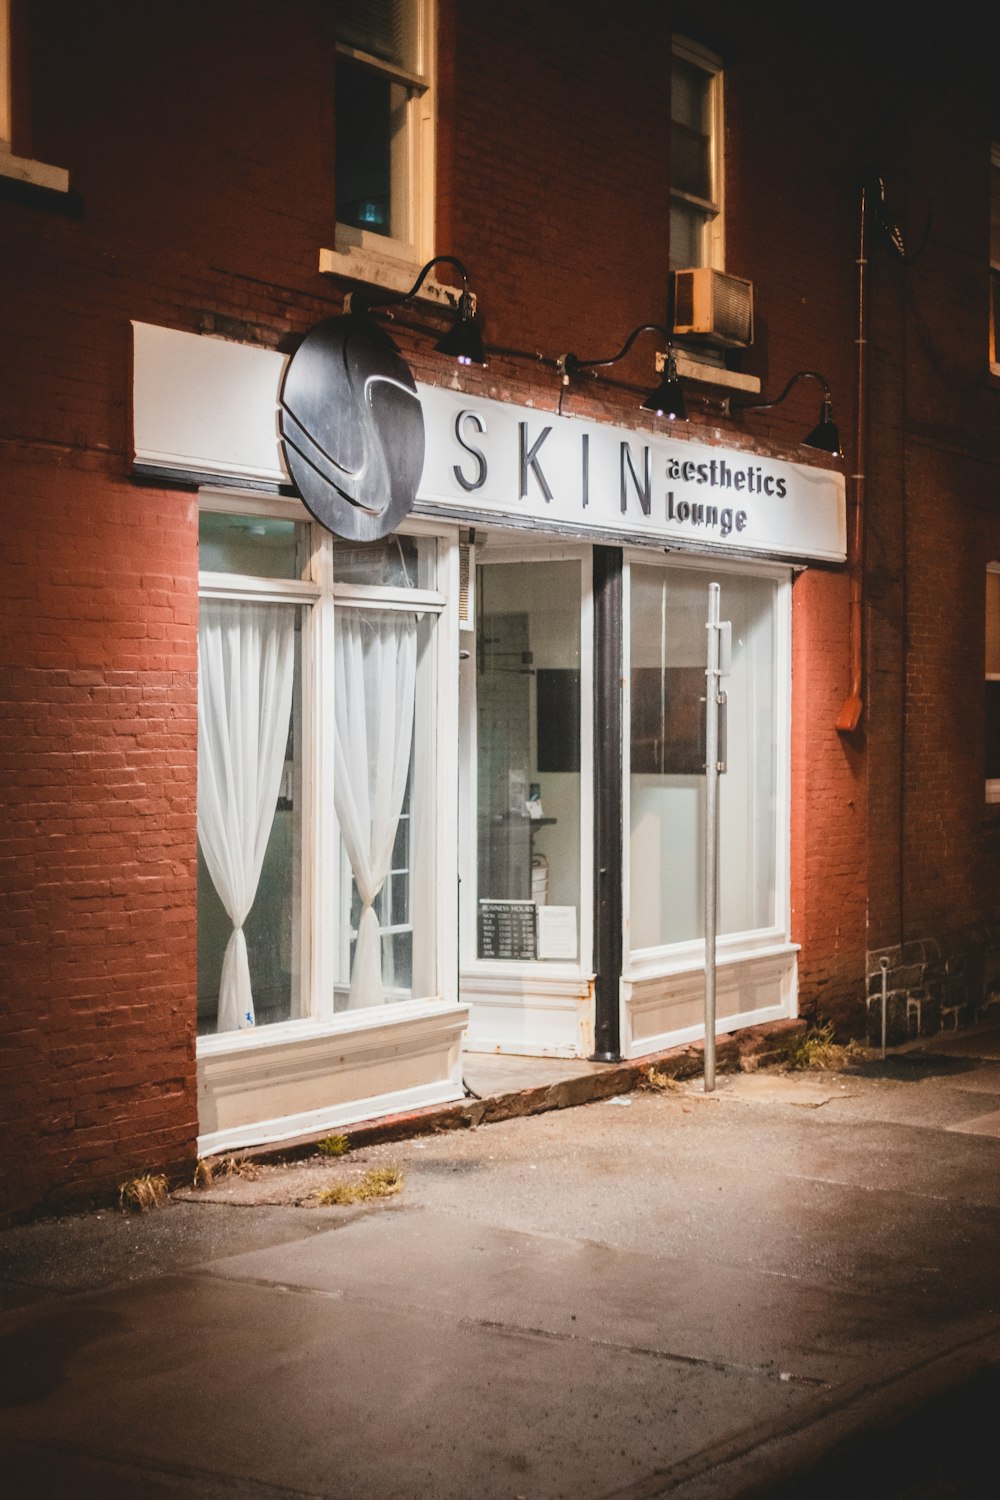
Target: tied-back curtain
[(246, 660), (376, 669)]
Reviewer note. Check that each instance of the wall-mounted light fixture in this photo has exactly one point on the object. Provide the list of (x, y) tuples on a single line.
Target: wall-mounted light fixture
[(666, 400), (825, 435), (463, 340)]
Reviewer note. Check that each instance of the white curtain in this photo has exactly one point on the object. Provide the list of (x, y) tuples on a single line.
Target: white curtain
[(246, 656), (375, 677)]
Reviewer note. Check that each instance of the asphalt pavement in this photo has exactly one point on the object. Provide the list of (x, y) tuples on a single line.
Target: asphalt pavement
[(787, 1287)]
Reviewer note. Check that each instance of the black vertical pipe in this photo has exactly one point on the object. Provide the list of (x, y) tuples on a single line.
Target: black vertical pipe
[(607, 801)]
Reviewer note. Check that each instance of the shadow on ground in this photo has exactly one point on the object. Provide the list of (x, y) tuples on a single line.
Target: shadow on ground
[(945, 1450)]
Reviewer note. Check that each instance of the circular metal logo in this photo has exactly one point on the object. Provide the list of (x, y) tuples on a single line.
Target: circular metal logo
[(352, 429)]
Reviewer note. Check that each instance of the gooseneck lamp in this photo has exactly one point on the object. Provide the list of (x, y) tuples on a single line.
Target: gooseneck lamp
[(463, 340), (666, 400), (824, 436)]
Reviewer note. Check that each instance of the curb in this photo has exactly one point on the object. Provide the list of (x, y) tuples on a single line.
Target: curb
[(736, 1052)]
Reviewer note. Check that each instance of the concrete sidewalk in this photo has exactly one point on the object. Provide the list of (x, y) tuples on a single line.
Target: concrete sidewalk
[(792, 1282)]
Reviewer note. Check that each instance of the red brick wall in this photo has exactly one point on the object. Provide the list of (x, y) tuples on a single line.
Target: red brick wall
[(97, 758), (98, 654)]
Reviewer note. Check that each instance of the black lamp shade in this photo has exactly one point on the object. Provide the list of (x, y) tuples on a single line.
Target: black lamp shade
[(463, 342), (667, 400), (825, 435)]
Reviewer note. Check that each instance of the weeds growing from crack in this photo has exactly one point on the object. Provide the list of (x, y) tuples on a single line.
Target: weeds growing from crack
[(206, 1171), (379, 1182), (818, 1051), (335, 1145), (662, 1082)]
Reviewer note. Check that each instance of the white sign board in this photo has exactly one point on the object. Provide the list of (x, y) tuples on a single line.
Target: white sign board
[(493, 461), (207, 408)]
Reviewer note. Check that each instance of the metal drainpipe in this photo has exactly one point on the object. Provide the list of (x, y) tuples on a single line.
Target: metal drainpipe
[(850, 713)]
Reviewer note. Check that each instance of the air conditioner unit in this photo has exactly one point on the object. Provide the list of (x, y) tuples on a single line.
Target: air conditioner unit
[(715, 307)]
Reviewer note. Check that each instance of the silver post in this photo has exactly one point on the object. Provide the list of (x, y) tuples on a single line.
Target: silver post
[(884, 965), (711, 826)]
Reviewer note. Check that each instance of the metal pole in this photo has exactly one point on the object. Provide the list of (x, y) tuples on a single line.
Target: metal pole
[(711, 826), (884, 965)]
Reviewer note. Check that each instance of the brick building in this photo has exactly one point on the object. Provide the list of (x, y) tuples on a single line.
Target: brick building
[(293, 815)]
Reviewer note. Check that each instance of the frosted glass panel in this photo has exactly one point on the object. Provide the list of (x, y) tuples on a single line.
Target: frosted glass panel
[(669, 608)]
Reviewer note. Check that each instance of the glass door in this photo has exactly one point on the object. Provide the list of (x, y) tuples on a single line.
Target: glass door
[(525, 761)]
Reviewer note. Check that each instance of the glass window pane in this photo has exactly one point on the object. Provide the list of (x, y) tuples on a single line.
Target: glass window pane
[(272, 929), (384, 28), (687, 237), (669, 609), (365, 102), (690, 162), (396, 562), (384, 781), (528, 734), (690, 95), (258, 546)]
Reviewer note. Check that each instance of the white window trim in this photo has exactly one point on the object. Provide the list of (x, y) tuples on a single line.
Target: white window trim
[(668, 958), (512, 974), (715, 236), (319, 827), (377, 258), (19, 168)]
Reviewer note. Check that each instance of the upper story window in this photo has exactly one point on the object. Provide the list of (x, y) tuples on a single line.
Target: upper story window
[(20, 168), (695, 158), (995, 257), (385, 127)]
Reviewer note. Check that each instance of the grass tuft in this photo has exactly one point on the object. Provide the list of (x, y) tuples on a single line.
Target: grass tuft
[(380, 1182), (204, 1172), (335, 1145), (664, 1082), (818, 1051), (237, 1166), (140, 1194)]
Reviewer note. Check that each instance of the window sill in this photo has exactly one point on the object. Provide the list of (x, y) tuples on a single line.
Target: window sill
[(34, 173), (683, 958), (394, 273), (689, 368)]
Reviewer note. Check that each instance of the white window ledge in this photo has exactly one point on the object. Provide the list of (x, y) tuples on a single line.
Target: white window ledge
[(360, 263), (689, 368), (36, 173)]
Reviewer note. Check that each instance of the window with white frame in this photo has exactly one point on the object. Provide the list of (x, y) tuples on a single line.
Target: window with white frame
[(696, 223), (666, 788), (995, 257), (384, 100), (992, 672), (317, 675), (33, 173)]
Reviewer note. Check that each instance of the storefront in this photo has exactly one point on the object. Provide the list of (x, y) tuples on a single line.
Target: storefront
[(451, 781)]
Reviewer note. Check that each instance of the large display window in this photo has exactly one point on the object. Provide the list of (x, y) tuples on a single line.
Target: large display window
[(668, 611), (317, 667)]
